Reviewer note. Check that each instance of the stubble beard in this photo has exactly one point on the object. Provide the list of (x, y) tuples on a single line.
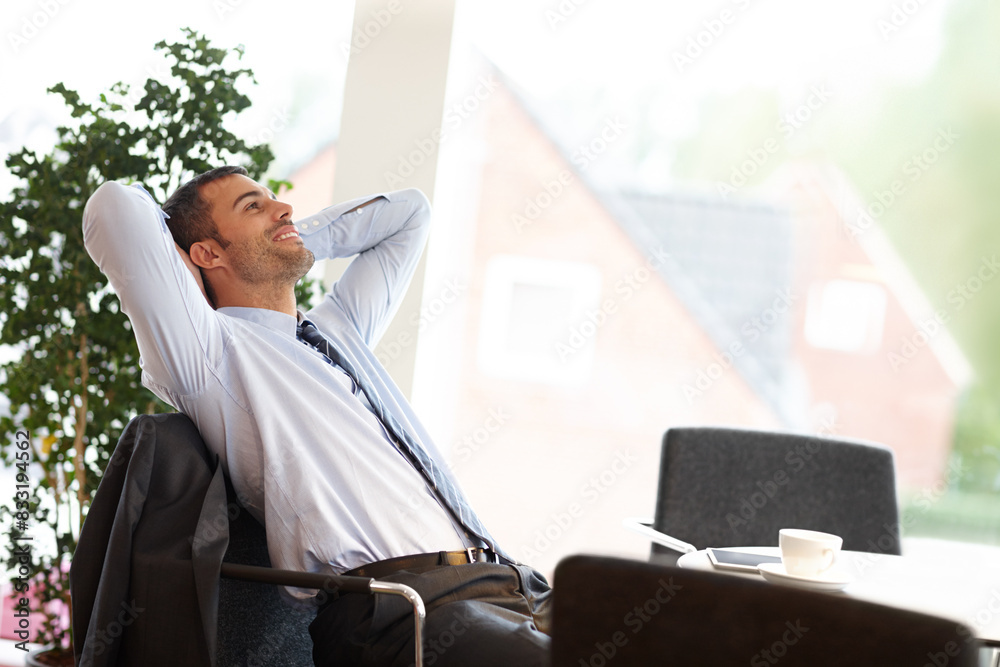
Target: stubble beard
[(262, 264)]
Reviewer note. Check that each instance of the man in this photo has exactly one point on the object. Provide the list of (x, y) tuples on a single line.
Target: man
[(319, 443)]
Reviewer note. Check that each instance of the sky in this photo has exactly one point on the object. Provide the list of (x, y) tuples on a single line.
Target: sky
[(664, 57)]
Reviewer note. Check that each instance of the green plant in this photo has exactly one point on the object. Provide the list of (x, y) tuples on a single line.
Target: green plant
[(77, 380), (977, 441)]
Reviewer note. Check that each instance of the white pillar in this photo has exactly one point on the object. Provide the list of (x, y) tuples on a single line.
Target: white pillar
[(393, 110)]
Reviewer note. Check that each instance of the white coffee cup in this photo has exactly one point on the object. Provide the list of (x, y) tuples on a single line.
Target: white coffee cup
[(808, 553)]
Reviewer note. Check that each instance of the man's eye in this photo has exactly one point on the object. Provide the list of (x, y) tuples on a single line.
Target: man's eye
[(253, 205)]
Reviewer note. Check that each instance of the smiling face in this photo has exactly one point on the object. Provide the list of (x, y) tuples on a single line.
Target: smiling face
[(261, 245)]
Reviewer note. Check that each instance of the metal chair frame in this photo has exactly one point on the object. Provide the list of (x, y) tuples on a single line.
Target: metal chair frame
[(364, 585)]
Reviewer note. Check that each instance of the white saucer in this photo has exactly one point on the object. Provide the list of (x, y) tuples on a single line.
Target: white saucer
[(833, 580)]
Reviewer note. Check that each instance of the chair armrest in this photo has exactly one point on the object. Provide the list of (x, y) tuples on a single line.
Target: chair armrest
[(644, 526), (327, 582), (269, 575)]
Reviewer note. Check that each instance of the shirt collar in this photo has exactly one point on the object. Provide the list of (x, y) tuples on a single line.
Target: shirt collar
[(271, 319)]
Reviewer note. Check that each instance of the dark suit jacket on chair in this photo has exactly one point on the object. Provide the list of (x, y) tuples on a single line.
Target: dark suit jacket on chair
[(144, 579)]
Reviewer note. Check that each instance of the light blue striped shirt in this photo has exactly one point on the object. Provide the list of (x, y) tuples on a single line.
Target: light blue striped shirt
[(304, 453)]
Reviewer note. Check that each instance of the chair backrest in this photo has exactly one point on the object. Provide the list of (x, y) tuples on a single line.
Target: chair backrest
[(255, 626), (733, 487), (136, 554), (608, 611), (141, 529)]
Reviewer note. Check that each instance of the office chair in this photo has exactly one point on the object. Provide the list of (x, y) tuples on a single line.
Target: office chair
[(255, 626), (722, 487), (610, 611), (145, 578)]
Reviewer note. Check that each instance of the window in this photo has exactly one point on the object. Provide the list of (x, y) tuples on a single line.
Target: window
[(846, 315), (534, 319)]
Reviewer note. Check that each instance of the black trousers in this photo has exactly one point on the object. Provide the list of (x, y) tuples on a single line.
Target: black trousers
[(481, 614)]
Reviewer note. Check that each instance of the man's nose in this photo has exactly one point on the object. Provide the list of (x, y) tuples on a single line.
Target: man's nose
[(282, 210)]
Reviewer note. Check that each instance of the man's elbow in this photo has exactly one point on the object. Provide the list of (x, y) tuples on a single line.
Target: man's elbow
[(107, 194), (421, 215), (112, 217), (105, 199), (109, 197)]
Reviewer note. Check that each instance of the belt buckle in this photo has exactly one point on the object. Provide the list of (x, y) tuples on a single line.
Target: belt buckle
[(482, 555)]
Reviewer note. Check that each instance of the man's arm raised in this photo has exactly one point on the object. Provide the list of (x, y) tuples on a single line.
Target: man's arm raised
[(177, 331), (387, 233)]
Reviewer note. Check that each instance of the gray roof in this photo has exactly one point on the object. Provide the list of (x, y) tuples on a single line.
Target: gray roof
[(730, 261)]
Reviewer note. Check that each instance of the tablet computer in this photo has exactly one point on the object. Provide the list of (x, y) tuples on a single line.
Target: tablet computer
[(741, 561)]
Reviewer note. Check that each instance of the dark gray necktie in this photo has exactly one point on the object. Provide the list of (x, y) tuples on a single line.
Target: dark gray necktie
[(449, 494)]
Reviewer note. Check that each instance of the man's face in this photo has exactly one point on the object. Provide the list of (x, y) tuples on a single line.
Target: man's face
[(264, 246)]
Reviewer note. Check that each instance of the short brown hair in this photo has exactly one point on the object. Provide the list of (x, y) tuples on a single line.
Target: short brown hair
[(189, 215)]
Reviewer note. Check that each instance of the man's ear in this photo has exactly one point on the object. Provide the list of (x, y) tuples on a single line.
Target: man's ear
[(206, 254), (196, 272)]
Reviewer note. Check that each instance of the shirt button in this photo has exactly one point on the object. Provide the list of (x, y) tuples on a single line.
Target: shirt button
[(315, 223)]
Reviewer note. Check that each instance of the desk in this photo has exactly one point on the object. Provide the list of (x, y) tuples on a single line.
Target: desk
[(961, 584)]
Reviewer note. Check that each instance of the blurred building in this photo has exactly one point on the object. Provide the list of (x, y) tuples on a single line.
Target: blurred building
[(565, 328)]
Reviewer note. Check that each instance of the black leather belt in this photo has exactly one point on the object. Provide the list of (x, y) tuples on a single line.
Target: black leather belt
[(386, 567)]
